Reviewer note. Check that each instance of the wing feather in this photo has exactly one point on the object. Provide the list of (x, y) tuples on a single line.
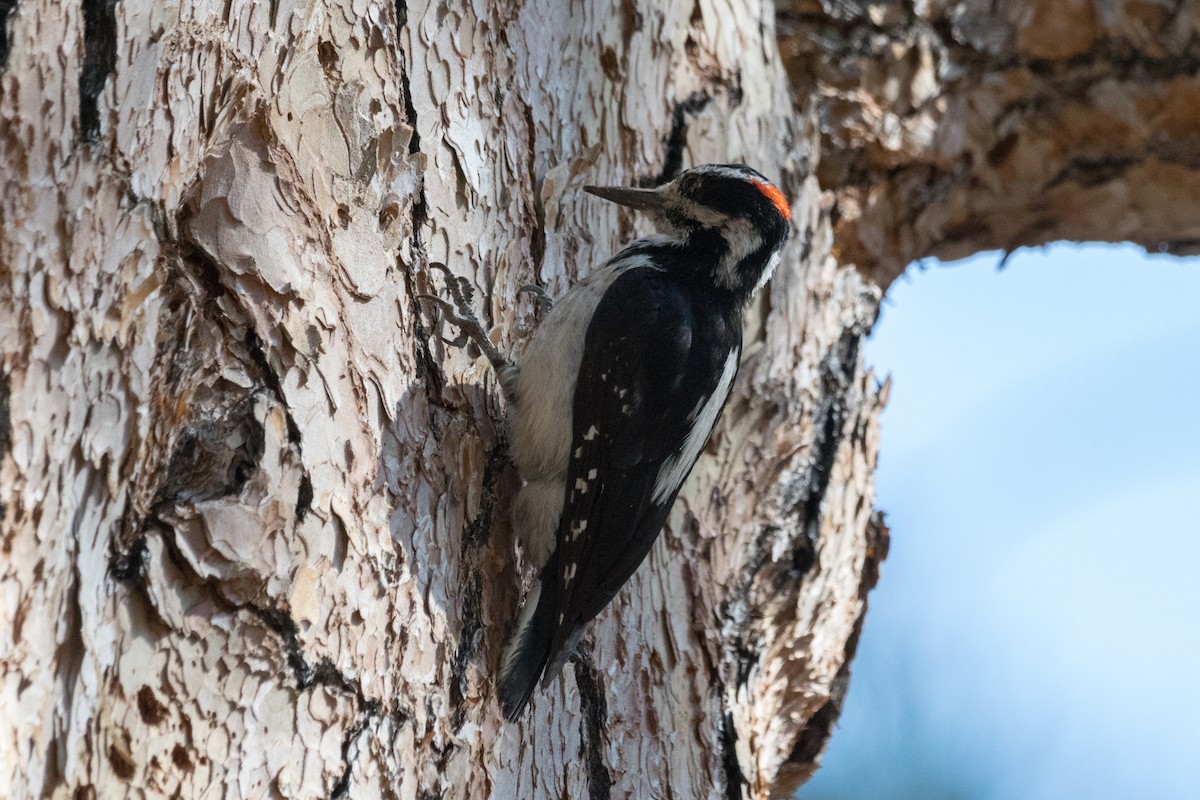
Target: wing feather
[(647, 363)]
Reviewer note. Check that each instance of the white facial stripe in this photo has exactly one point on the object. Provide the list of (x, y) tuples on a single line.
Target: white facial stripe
[(702, 214), (743, 239), (766, 275), (673, 471)]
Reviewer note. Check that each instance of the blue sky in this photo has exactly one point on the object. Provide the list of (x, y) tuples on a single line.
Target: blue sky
[(1035, 633)]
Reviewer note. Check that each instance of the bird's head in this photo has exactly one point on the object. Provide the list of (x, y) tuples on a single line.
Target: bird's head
[(727, 217)]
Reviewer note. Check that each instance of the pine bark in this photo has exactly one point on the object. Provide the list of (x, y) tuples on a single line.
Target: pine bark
[(953, 127), (254, 514)]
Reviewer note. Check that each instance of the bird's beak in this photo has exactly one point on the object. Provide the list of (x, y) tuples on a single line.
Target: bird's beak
[(641, 199)]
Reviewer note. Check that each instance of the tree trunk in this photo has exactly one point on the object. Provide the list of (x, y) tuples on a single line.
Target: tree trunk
[(255, 515)]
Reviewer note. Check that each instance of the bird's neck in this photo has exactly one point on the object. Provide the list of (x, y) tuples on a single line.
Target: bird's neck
[(735, 262)]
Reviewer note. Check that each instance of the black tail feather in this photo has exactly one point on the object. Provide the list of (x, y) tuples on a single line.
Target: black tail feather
[(526, 655)]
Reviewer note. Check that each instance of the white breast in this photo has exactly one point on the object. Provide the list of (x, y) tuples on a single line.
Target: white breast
[(540, 420)]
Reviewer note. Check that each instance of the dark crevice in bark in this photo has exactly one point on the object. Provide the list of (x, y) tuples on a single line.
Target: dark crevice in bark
[(1090, 172), (741, 650), (99, 60), (593, 726), (5, 428), (804, 552), (428, 369), (207, 276), (837, 374), (406, 90), (401, 16), (341, 786), (129, 565), (217, 451), (306, 675), (1096, 170), (429, 372), (6, 9), (270, 378), (537, 237), (816, 733), (676, 140), (1107, 60), (734, 778), (304, 498), (475, 537), (198, 275)]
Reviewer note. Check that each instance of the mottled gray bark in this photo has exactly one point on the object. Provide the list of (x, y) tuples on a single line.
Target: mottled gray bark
[(254, 514)]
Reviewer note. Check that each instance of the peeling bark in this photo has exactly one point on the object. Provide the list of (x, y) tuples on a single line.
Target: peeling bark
[(953, 127), (255, 515)]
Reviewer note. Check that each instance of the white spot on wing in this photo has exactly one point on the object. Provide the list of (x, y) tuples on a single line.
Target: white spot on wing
[(676, 468)]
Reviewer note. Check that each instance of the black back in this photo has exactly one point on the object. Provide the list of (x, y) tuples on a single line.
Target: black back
[(655, 350)]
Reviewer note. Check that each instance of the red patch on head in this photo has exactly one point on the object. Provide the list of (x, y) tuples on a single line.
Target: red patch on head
[(775, 196)]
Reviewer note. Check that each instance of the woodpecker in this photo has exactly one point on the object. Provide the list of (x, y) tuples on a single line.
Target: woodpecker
[(617, 393)]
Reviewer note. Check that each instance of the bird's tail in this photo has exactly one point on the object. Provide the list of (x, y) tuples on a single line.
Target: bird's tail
[(526, 655)]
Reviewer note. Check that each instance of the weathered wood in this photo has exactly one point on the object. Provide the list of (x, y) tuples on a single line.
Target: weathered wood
[(254, 514), (953, 127)]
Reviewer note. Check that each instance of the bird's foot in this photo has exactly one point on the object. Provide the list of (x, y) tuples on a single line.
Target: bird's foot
[(461, 315)]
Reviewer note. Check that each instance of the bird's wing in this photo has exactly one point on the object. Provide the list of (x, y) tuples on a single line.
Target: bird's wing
[(653, 379)]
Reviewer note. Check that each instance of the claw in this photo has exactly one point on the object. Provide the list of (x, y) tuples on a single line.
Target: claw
[(448, 310), (545, 303), (460, 288), (463, 318), (451, 316)]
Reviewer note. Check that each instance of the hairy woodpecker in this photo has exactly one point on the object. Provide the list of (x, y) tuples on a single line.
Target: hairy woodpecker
[(617, 393)]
